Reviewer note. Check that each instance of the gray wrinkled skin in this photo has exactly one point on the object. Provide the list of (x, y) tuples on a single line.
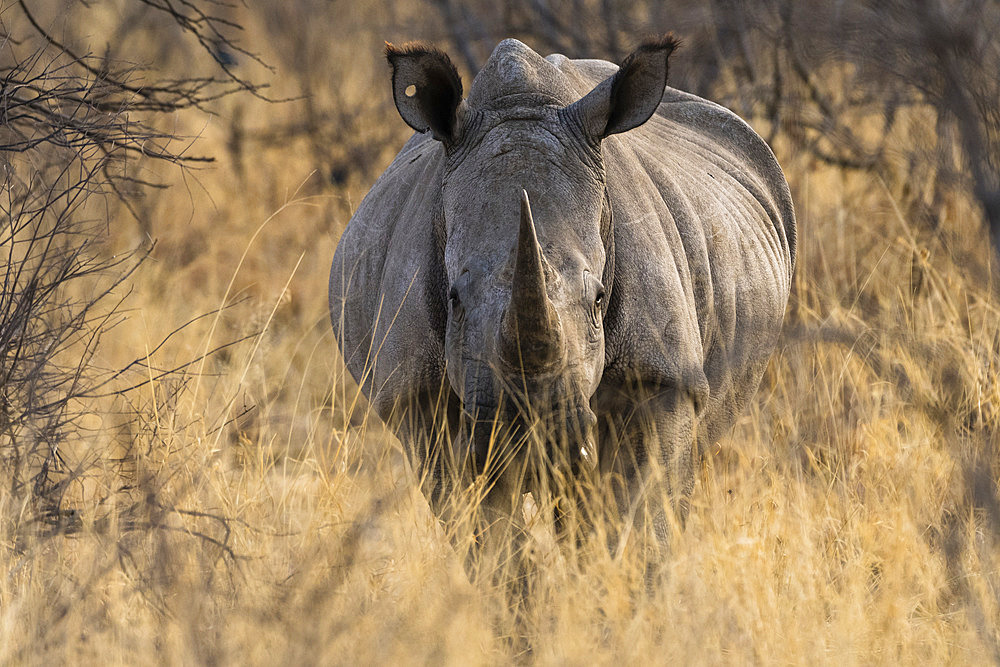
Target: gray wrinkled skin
[(683, 226)]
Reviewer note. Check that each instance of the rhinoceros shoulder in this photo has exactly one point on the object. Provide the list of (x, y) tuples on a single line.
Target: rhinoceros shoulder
[(386, 284)]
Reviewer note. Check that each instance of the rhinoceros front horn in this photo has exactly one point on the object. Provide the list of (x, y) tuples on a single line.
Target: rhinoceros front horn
[(530, 329)]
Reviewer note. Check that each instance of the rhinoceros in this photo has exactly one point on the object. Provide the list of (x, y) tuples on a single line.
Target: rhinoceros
[(574, 249)]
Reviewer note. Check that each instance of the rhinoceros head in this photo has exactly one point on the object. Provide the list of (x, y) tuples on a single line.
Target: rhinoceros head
[(527, 225)]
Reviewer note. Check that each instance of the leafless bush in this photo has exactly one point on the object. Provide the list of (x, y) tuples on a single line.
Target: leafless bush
[(74, 132), (48, 335), (56, 96)]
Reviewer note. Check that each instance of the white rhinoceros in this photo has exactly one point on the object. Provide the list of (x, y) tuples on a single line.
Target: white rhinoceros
[(622, 317)]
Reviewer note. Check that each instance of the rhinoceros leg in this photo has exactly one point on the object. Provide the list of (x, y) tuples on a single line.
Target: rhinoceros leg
[(648, 448), (442, 455), (427, 425)]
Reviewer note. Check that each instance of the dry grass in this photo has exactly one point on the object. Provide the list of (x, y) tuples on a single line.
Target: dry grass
[(257, 512)]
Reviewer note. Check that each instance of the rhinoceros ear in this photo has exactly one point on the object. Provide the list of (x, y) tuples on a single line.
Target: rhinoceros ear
[(426, 88), (630, 96)]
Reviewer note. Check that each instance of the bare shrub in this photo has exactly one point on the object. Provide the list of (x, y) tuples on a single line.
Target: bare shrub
[(75, 131)]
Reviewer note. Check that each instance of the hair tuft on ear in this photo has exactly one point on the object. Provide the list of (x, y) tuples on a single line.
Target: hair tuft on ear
[(650, 48), (653, 44), (416, 49)]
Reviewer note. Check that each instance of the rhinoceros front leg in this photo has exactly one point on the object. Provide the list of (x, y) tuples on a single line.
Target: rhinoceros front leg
[(648, 448), (427, 425)]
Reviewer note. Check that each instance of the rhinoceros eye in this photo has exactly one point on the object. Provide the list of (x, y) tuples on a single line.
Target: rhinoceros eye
[(598, 310), (455, 305)]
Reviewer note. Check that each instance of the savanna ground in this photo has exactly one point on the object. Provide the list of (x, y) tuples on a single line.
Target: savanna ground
[(246, 507)]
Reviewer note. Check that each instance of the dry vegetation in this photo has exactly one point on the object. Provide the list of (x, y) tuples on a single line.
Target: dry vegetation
[(248, 508)]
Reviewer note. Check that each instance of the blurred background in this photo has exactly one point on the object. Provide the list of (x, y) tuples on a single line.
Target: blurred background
[(189, 475)]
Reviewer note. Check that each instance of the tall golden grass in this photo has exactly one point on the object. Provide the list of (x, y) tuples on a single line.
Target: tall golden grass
[(251, 508)]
